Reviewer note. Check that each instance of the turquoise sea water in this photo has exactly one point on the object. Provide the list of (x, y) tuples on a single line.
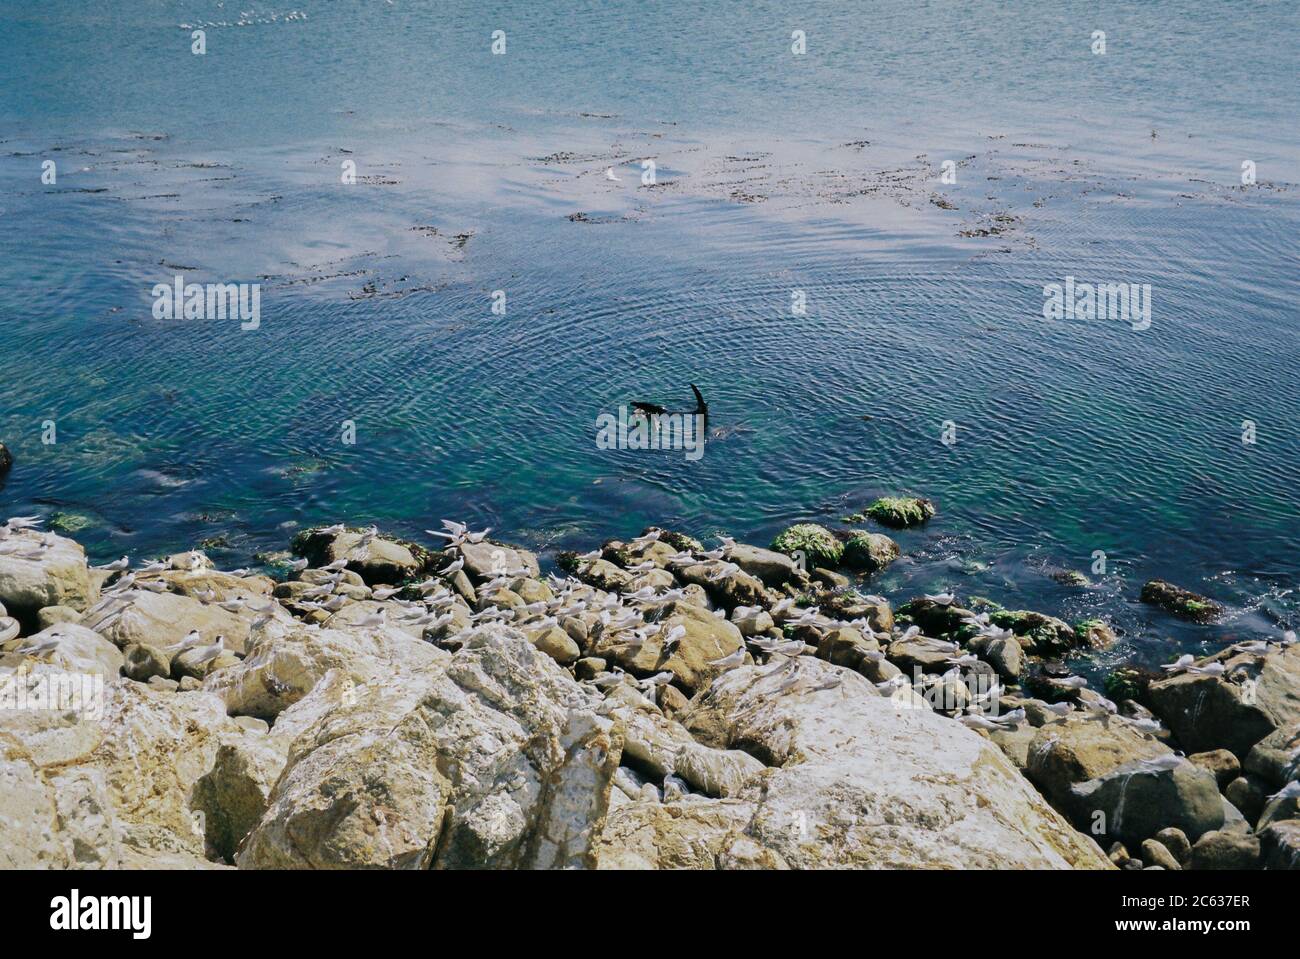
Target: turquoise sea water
[(775, 173)]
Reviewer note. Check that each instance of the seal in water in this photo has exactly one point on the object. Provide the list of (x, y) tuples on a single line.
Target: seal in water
[(654, 409)]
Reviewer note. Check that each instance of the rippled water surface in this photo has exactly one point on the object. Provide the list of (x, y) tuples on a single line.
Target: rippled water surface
[(774, 173)]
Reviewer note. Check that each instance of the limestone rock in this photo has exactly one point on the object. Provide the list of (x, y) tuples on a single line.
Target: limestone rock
[(37, 576), (859, 780)]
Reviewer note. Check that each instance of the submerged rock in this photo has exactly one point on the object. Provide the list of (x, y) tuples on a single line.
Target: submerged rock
[(1181, 602)]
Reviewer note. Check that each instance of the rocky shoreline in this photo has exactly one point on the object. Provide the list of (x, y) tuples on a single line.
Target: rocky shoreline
[(654, 703)]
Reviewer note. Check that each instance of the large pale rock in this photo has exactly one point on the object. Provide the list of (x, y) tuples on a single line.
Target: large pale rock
[(165, 619), (663, 747), (110, 788), (280, 670), (33, 577), (491, 758), (79, 650), (857, 780), (486, 560)]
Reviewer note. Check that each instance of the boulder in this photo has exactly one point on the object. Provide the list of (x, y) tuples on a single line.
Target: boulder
[(1040, 634), (901, 511), (708, 638), (1181, 602), (1176, 841), (53, 615), (858, 780), (1233, 711), (1280, 844), (1064, 754), (771, 567), (810, 545), (729, 588), (1284, 804), (44, 569), (868, 552), (922, 653), (555, 642), (165, 619), (1276, 758), (1138, 799), (1220, 849), (79, 650), (488, 559), (1248, 794), (378, 561), (491, 758), (1155, 853), (1220, 762), (280, 670), (142, 663)]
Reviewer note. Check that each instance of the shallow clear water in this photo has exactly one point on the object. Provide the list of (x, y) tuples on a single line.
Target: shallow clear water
[(775, 173)]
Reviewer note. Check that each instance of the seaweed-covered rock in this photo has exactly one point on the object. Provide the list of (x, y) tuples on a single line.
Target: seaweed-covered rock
[(1094, 634), (869, 551), (817, 544), (900, 511), (938, 619), (1042, 635), (1181, 602), (1130, 682)]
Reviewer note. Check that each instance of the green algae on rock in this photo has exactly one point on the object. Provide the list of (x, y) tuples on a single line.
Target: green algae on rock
[(817, 543), (869, 551), (1181, 602), (901, 511)]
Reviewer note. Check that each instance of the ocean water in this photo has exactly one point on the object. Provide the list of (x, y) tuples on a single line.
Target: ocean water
[(819, 173)]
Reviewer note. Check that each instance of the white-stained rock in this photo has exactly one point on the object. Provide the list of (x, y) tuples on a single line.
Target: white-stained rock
[(33, 576)]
